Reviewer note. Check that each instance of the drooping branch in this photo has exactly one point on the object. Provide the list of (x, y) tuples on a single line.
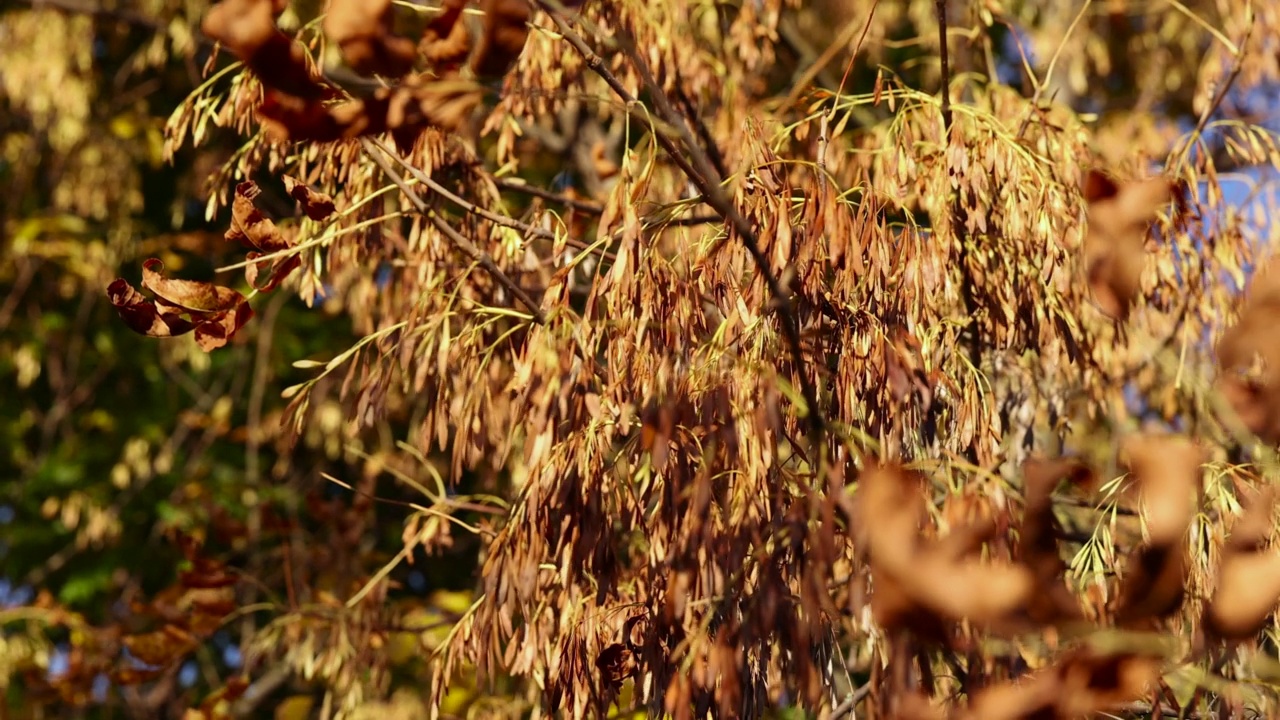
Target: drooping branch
[(470, 207), (701, 173), (466, 246)]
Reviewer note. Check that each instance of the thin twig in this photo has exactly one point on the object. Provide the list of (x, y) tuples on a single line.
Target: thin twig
[(845, 37), (467, 205), (845, 708), (476, 254), (823, 137), (940, 7), (1203, 121), (262, 688), (958, 213), (574, 203), (691, 113), (704, 177), (1034, 104)]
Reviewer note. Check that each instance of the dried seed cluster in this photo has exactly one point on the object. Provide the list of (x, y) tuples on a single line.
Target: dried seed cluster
[(966, 293)]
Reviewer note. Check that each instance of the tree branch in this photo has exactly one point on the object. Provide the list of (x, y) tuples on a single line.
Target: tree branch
[(527, 189), (467, 205), (463, 244), (958, 213), (704, 177)]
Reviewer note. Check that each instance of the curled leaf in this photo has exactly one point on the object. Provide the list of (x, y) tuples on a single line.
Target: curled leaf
[(316, 205), (190, 295), (250, 227), (214, 312), (143, 315), (216, 330)]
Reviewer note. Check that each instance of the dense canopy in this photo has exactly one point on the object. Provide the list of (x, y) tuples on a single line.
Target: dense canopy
[(743, 359)]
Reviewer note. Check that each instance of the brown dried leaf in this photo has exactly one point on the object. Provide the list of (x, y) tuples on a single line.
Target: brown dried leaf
[(243, 25), (1038, 538), (615, 664), (215, 330), (316, 205), (363, 31), (1114, 254), (656, 431), (161, 647), (927, 586), (288, 118), (1249, 575), (144, 315), (1167, 469), (279, 271), (207, 575), (446, 43), (248, 29), (1249, 357), (405, 111), (1094, 682), (502, 40), (214, 312), (250, 227), (190, 295), (1031, 698), (1081, 684)]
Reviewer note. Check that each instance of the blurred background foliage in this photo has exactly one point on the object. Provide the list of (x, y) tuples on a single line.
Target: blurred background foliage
[(111, 443), (114, 446)]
